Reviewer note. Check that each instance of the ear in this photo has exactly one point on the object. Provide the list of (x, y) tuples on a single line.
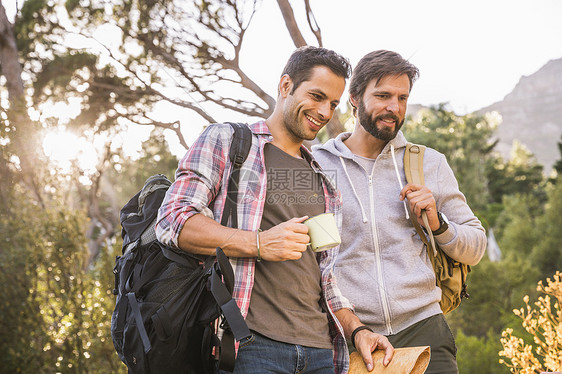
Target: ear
[(353, 101), (285, 85)]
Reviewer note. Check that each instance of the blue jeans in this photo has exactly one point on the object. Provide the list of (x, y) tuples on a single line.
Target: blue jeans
[(260, 355)]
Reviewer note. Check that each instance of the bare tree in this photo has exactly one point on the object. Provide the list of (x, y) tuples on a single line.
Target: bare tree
[(183, 53)]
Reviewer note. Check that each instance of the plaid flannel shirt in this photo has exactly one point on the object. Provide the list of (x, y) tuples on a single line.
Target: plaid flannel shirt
[(200, 188)]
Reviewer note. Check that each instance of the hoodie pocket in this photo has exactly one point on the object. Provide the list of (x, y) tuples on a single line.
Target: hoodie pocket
[(359, 283)]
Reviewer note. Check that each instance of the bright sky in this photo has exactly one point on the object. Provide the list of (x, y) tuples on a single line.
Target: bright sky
[(470, 53)]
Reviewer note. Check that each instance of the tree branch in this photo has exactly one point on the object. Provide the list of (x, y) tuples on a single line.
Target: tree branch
[(174, 126), (291, 23), (313, 27)]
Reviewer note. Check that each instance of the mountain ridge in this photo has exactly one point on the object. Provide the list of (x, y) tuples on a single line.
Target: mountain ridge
[(532, 114)]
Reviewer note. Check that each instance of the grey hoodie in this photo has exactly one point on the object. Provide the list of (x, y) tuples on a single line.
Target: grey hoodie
[(382, 266)]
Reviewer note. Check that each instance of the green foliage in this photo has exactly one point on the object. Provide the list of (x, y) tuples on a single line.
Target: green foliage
[(21, 342), (101, 346), (180, 53), (516, 225), (60, 307), (522, 174), (70, 5), (558, 164), (546, 251), (54, 80), (63, 303), (33, 28), (476, 355), (495, 288)]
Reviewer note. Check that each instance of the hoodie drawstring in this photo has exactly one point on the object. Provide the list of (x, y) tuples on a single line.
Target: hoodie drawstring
[(398, 177), (363, 214)]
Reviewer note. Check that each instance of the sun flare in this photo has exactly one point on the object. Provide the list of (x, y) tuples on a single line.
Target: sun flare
[(64, 149)]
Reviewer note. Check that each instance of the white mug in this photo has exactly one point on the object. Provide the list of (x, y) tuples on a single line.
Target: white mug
[(323, 232)]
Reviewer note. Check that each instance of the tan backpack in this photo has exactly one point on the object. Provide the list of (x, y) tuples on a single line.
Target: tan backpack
[(450, 275)]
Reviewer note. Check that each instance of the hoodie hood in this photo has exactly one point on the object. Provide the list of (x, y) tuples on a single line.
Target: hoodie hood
[(337, 148)]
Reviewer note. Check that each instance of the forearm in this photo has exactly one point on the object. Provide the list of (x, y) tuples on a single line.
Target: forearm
[(202, 235), (465, 243), (365, 341), (465, 240), (349, 321)]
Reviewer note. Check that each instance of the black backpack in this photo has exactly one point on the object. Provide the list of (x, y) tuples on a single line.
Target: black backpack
[(168, 302)]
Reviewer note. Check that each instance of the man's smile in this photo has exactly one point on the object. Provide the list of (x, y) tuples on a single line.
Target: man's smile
[(317, 125)]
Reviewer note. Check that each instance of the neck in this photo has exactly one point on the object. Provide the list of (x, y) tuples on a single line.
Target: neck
[(282, 138), (364, 144)]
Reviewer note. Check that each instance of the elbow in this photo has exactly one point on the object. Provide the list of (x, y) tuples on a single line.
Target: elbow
[(479, 250), (163, 234)]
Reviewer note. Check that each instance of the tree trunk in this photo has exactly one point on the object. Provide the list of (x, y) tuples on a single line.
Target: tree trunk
[(11, 67), (23, 137)]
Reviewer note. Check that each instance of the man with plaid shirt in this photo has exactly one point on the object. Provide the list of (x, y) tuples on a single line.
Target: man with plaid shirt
[(286, 292)]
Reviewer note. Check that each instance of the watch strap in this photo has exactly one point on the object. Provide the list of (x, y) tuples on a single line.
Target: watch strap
[(443, 226)]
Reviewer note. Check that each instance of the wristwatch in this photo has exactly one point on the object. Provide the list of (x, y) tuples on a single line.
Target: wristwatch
[(443, 224)]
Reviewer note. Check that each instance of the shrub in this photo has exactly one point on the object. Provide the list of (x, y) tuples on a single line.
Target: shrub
[(543, 323)]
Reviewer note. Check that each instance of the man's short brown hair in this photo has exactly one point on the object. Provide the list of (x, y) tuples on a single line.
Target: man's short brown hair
[(305, 59), (377, 65)]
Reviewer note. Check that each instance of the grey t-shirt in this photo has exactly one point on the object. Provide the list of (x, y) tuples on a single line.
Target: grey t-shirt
[(285, 303)]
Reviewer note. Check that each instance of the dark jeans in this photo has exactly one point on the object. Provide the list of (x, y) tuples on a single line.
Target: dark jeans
[(435, 332), (260, 355)]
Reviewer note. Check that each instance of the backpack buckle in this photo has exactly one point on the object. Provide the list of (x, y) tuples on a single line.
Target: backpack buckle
[(238, 160), (415, 148)]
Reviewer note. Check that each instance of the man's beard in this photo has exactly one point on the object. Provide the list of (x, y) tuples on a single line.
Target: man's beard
[(370, 124)]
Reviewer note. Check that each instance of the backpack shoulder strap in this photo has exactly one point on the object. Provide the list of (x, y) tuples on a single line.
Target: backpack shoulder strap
[(235, 327), (239, 150), (413, 163), (413, 168), (241, 143)]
